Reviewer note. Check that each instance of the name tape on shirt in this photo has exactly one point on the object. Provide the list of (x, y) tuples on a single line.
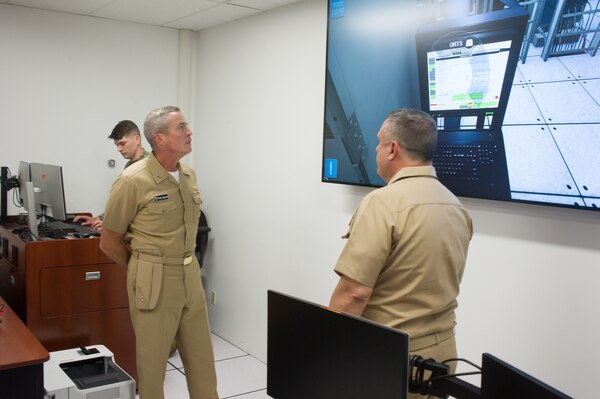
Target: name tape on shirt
[(160, 197)]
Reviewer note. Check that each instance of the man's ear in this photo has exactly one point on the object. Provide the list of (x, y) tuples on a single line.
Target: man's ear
[(158, 139), (394, 150)]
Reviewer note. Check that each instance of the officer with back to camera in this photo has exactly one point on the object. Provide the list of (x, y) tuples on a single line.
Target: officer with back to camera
[(407, 243)]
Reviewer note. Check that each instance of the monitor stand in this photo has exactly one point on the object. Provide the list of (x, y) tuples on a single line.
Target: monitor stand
[(3, 194), (32, 216)]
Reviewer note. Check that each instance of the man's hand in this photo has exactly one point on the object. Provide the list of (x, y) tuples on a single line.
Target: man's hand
[(96, 224), (93, 222)]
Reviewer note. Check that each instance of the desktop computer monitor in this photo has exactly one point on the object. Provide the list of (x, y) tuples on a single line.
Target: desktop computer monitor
[(49, 190), (316, 352), (24, 176), (500, 380)]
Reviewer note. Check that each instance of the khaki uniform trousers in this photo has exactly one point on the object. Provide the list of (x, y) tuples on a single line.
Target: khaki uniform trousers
[(443, 348), (180, 314)]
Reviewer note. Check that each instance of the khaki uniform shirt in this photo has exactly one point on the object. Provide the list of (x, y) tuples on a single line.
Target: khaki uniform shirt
[(408, 241), (156, 214)]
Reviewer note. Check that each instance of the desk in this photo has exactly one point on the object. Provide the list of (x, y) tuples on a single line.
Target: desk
[(68, 293), (21, 359)]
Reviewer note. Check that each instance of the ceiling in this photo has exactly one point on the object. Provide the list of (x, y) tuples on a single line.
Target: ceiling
[(179, 14)]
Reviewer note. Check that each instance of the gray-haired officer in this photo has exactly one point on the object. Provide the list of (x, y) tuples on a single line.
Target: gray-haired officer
[(150, 226)]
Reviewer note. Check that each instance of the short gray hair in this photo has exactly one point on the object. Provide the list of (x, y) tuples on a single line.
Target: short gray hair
[(415, 131), (156, 121)]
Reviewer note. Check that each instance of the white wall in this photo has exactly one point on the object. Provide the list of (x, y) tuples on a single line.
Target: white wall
[(529, 292), (65, 82), (260, 87)]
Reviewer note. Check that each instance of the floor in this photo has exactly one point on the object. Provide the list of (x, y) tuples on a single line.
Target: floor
[(552, 130), (239, 375)]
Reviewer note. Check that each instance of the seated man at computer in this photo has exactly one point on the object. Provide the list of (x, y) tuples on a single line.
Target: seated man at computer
[(127, 138)]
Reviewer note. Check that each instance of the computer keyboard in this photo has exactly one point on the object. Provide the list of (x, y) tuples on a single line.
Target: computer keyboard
[(464, 161), (57, 224), (86, 231), (73, 228)]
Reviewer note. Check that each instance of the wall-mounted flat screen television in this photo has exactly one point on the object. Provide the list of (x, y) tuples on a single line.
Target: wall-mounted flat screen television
[(515, 91)]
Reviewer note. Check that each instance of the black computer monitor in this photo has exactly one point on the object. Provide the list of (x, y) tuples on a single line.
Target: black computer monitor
[(49, 190), (318, 353), (24, 176), (500, 380), (8, 183)]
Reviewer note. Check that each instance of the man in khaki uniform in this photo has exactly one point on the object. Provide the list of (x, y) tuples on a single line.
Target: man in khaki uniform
[(150, 226), (407, 243)]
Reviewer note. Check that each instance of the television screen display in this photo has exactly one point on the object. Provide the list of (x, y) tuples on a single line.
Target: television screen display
[(517, 107), (483, 66)]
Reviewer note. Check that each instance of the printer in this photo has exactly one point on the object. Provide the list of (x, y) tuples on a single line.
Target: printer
[(86, 373)]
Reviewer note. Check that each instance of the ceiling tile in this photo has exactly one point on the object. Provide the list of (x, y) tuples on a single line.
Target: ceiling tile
[(262, 4), (219, 14), (154, 12), (179, 14), (68, 6)]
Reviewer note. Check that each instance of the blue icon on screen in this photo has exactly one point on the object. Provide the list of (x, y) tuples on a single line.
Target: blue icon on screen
[(331, 166), (337, 9)]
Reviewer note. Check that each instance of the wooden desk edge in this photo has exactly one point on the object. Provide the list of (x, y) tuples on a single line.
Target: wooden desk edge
[(11, 324)]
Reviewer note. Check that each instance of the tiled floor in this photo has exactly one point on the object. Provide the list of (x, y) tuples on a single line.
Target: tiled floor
[(552, 130), (239, 375)]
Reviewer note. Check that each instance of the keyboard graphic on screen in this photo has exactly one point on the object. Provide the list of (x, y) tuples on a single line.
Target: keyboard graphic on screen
[(465, 161)]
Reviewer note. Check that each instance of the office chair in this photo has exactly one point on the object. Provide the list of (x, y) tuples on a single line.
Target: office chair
[(202, 238)]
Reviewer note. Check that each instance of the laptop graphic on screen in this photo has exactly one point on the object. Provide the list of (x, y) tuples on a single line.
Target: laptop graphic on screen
[(466, 69)]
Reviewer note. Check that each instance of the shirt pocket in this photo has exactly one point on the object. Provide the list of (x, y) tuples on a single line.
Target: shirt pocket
[(161, 217), (161, 207)]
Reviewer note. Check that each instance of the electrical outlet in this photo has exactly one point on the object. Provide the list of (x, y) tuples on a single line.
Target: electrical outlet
[(213, 297)]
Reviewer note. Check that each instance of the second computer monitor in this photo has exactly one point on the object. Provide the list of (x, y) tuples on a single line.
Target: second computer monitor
[(318, 353), (24, 176), (49, 190), (501, 380)]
